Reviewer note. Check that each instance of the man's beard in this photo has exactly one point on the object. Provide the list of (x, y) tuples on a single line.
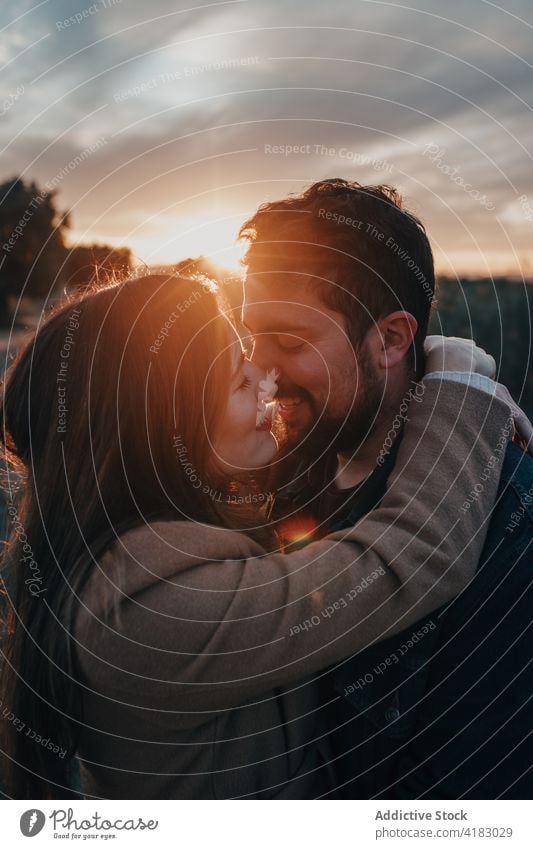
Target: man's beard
[(346, 431)]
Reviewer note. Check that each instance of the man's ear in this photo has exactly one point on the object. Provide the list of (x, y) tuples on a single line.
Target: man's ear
[(391, 337)]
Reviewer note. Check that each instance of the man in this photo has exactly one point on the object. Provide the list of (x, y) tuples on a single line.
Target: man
[(338, 294)]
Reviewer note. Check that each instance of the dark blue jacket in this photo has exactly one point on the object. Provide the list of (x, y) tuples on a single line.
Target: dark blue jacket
[(445, 709)]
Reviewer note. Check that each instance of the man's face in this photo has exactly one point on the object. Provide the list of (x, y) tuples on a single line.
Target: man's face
[(329, 394)]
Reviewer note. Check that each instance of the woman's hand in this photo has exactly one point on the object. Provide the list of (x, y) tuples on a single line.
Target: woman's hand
[(523, 426), (450, 353)]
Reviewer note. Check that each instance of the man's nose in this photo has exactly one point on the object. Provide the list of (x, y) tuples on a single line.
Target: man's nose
[(261, 356)]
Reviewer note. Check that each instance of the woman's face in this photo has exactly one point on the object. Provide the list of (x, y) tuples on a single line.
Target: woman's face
[(239, 444)]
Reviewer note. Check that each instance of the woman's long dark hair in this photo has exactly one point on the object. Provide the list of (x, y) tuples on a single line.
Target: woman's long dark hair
[(91, 412)]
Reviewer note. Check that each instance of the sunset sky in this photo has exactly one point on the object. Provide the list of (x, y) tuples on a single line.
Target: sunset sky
[(164, 124)]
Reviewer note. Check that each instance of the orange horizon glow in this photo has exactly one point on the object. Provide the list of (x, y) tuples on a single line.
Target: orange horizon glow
[(177, 240), (215, 239)]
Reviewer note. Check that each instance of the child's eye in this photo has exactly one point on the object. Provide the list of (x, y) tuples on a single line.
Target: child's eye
[(246, 383)]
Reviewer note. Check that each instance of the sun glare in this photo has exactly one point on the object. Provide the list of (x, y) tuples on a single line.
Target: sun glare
[(166, 241), (214, 238)]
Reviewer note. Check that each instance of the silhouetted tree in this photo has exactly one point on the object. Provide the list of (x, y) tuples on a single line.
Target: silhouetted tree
[(32, 245)]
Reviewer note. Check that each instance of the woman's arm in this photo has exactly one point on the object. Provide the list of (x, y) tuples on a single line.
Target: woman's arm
[(208, 610)]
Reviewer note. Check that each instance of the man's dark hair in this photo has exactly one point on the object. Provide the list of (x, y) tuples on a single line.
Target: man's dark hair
[(364, 253)]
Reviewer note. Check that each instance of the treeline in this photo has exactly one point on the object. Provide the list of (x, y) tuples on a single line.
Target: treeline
[(498, 314), (34, 259)]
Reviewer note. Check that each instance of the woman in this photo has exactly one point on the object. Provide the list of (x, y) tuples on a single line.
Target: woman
[(149, 637)]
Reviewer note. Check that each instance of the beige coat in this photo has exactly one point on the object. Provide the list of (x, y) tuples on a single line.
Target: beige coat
[(198, 649)]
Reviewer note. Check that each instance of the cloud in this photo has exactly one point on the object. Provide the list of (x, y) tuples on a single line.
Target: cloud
[(187, 99)]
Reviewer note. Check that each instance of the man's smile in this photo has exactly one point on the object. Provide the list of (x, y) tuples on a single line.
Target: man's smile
[(288, 403)]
